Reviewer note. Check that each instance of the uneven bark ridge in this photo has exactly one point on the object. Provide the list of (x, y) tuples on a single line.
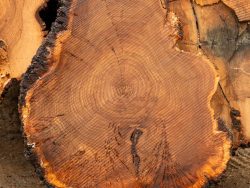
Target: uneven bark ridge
[(20, 36), (119, 107)]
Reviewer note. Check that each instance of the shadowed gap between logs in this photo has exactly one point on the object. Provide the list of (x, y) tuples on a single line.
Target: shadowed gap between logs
[(11, 141), (48, 14)]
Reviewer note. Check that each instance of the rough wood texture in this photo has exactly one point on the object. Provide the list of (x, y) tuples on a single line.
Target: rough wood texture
[(220, 39), (118, 106), (238, 171), (241, 8), (206, 2), (15, 170), (20, 36), (190, 36), (226, 42), (240, 74)]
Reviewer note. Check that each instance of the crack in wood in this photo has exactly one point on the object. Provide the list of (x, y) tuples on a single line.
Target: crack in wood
[(136, 158), (3, 51), (196, 22)]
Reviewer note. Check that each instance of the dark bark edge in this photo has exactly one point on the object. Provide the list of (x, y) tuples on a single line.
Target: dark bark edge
[(39, 66)]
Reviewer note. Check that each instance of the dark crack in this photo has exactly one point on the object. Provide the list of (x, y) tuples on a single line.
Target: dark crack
[(136, 158), (224, 95), (48, 14), (196, 22), (39, 66)]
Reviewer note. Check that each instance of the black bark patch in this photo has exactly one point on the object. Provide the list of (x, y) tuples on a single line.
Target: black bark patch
[(136, 158), (38, 67), (48, 13)]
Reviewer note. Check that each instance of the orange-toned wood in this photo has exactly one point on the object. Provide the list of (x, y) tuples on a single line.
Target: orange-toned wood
[(119, 106), (20, 36)]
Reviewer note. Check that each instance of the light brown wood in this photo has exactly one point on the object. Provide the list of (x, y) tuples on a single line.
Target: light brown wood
[(20, 36), (206, 2), (190, 36), (240, 74), (120, 107), (218, 40), (241, 8), (219, 35)]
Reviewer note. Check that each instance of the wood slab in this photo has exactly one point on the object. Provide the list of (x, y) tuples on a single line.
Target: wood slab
[(114, 104)]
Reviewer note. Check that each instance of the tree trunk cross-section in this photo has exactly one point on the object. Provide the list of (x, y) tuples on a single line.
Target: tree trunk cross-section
[(119, 106)]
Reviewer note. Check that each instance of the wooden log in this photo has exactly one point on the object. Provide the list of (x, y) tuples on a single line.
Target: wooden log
[(109, 102), (220, 37), (218, 41), (241, 8), (20, 36)]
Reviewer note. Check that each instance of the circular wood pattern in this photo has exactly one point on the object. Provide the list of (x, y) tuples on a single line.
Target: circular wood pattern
[(120, 107)]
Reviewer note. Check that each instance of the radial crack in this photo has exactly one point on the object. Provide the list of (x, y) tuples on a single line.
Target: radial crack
[(136, 158)]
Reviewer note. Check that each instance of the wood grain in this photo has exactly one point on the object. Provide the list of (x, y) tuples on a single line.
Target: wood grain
[(119, 106), (206, 2), (21, 35), (241, 8), (190, 34)]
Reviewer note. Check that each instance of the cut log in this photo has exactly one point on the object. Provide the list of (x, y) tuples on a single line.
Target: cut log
[(118, 106), (225, 41), (20, 36), (241, 8), (218, 40), (190, 34)]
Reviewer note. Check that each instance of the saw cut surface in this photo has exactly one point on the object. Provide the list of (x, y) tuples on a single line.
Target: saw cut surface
[(20, 36), (120, 107), (206, 2), (241, 8)]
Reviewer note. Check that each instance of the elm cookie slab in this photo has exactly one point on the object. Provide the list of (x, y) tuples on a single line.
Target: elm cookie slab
[(115, 105)]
